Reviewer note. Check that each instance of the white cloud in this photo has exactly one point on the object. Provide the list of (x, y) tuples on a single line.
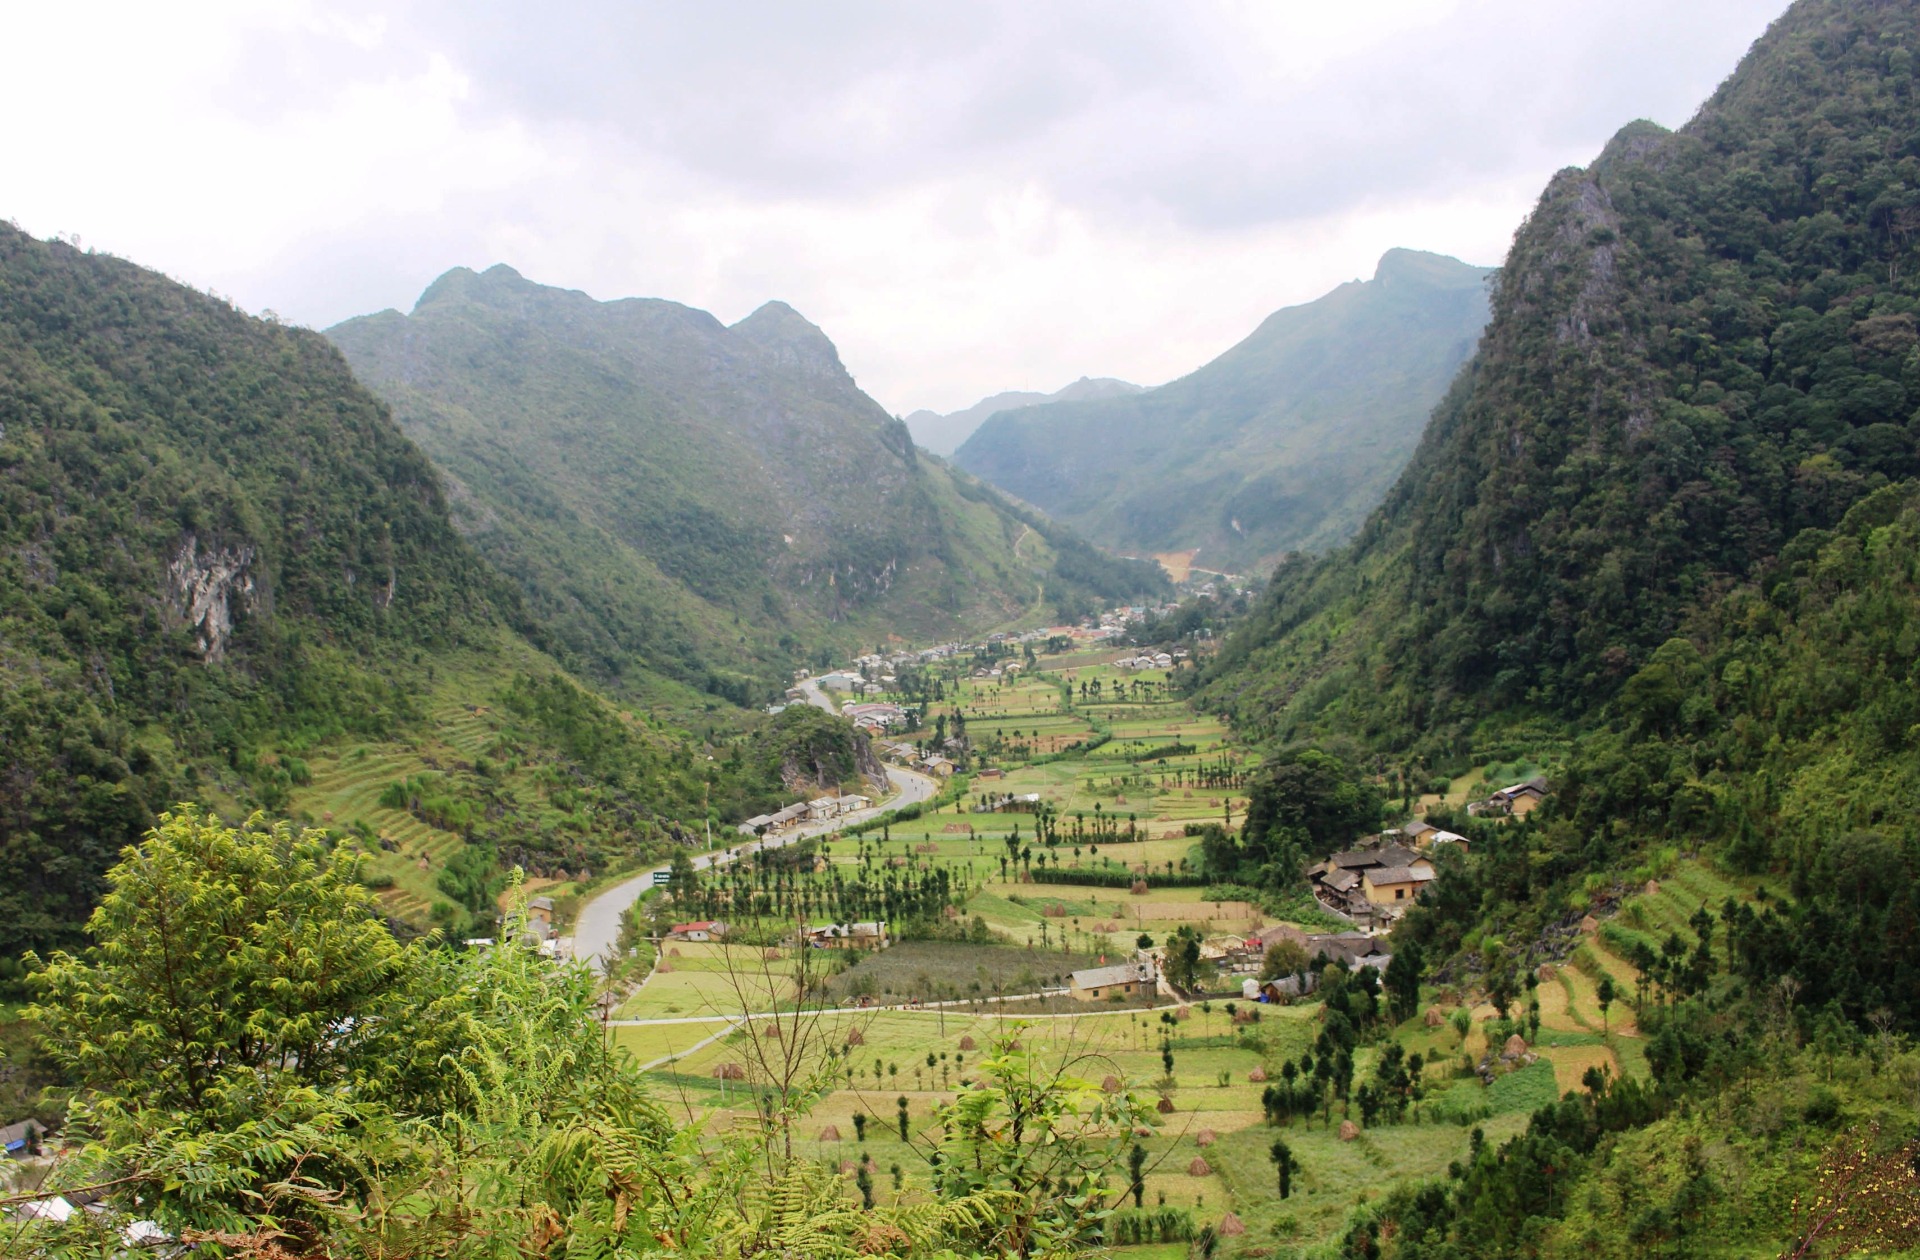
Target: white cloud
[(966, 198)]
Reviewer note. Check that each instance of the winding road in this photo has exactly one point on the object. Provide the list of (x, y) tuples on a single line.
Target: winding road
[(596, 932)]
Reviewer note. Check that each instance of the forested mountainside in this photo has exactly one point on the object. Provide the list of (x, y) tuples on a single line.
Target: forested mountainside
[(1284, 442), (680, 496), (221, 565), (1664, 533), (943, 434), (1701, 346)]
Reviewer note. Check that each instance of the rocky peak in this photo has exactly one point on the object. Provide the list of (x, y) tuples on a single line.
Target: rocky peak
[(791, 339)]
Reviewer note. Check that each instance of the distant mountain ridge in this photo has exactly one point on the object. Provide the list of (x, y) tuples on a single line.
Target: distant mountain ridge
[(1284, 442), (943, 434), (677, 496)]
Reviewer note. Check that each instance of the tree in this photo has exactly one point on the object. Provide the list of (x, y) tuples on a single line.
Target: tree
[(1183, 956), (1283, 958), (1604, 994), (1143, 941), (1403, 979), (1042, 1141), (1136, 1162), (900, 1104), (1283, 1166), (859, 1126), (220, 954)]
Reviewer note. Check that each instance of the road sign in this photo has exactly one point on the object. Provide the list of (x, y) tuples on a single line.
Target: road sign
[(662, 877)]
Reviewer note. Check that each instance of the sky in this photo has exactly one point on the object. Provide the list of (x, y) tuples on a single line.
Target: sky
[(968, 197)]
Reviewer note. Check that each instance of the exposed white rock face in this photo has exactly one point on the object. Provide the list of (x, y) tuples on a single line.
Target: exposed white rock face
[(206, 589)]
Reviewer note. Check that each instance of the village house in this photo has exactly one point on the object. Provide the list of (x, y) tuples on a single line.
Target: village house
[(1369, 883), (1516, 801), (704, 930), (938, 766), (755, 825), (1122, 980), (824, 807), (1387, 885), (540, 918), (867, 935)]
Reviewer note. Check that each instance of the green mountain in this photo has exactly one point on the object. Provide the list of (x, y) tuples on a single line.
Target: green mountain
[(1283, 443), (678, 497), (225, 575), (1662, 539), (943, 434), (1702, 346)]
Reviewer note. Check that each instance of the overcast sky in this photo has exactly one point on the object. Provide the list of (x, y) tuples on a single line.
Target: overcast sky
[(968, 197)]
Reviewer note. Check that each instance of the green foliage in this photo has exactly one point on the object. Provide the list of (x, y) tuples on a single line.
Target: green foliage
[(1701, 346)]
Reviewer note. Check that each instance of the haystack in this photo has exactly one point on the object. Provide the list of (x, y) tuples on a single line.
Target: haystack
[(1141, 1130), (770, 953), (1349, 1130), (1653, 888), (1199, 1168), (1184, 1012), (968, 1043), (729, 1072), (1589, 925), (1112, 1085), (1230, 1226), (1164, 1106), (1434, 1018), (771, 1029), (1206, 1137), (829, 1134), (673, 953), (664, 968), (1139, 888), (1258, 1075), (1544, 973), (1515, 1047), (855, 1037), (846, 1168)]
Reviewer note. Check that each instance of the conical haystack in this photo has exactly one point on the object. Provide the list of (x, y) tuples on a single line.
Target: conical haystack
[(967, 1043), (1164, 1106), (855, 1037), (1434, 1017), (1199, 1168), (1112, 1085), (1515, 1047), (829, 1134), (1205, 1138), (1258, 1075), (1230, 1226), (1349, 1130)]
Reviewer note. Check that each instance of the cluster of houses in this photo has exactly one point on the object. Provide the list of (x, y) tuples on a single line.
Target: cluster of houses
[(875, 716), (1371, 884), (803, 812), (1149, 660), (871, 934)]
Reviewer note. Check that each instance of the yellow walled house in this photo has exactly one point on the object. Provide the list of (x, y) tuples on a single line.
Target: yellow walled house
[(1122, 980), (1388, 885)]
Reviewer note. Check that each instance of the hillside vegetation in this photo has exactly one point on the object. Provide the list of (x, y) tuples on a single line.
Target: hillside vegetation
[(1284, 442), (1663, 535), (679, 498), (225, 575)]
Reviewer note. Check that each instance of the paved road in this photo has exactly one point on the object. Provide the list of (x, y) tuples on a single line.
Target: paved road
[(597, 931)]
